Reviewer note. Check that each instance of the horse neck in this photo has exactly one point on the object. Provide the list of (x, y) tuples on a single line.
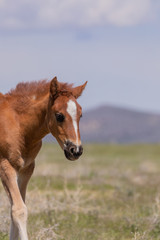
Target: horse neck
[(34, 122)]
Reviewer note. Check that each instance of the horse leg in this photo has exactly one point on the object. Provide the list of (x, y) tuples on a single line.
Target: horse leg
[(18, 208), (14, 232), (23, 179)]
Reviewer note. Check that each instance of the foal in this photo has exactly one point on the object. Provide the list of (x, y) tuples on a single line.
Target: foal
[(28, 113)]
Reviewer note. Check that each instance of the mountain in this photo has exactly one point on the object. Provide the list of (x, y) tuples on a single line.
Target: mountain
[(119, 125)]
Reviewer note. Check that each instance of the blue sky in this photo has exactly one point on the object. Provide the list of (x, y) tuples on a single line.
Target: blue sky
[(112, 44)]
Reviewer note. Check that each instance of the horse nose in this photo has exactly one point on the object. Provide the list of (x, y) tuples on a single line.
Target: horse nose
[(72, 151), (76, 151)]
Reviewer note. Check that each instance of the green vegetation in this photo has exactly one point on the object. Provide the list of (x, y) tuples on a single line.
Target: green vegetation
[(111, 193)]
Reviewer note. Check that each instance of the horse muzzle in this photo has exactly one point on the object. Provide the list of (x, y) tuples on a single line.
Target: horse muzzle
[(71, 151)]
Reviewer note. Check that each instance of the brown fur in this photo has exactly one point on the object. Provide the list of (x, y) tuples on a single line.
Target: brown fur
[(27, 115), (22, 96)]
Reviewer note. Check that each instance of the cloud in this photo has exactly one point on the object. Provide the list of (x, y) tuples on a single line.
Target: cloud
[(131, 12), (38, 14)]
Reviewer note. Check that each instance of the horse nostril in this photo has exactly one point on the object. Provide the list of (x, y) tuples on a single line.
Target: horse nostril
[(80, 150), (72, 150), (76, 151)]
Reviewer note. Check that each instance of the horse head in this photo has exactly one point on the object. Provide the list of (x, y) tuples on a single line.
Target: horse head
[(63, 117)]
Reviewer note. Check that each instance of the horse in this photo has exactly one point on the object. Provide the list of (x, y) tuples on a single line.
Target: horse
[(27, 114)]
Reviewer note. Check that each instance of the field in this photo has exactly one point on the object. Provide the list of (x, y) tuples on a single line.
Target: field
[(111, 193)]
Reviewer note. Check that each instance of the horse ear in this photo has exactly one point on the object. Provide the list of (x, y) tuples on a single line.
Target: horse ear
[(77, 91), (54, 86)]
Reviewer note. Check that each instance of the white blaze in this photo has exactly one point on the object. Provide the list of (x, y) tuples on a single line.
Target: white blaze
[(72, 111)]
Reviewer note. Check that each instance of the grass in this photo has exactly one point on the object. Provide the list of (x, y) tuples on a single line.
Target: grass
[(111, 193)]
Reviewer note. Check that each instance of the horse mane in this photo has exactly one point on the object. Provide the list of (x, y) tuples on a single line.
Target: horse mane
[(38, 88), (25, 92), (30, 88)]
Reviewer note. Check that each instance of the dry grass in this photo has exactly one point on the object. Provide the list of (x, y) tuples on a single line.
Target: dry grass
[(111, 193)]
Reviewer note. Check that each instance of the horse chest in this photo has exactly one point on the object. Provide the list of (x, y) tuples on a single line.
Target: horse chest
[(31, 153)]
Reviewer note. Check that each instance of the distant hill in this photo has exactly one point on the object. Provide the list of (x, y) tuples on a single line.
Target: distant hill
[(119, 125)]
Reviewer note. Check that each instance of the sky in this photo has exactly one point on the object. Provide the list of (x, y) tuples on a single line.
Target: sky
[(112, 44)]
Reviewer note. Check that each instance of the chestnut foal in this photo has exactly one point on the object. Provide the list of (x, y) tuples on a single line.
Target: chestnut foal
[(28, 113)]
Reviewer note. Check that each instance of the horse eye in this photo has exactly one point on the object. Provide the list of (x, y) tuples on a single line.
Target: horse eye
[(60, 117)]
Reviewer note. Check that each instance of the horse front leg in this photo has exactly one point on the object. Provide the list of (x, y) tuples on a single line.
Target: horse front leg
[(14, 232), (18, 208), (23, 179)]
